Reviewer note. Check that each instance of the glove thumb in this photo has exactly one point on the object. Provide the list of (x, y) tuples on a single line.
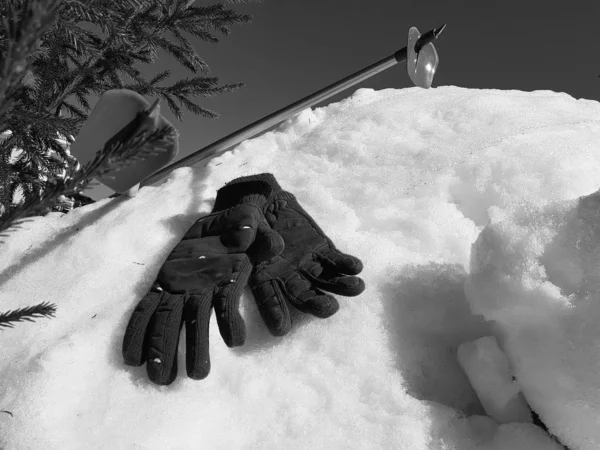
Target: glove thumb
[(267, 244)]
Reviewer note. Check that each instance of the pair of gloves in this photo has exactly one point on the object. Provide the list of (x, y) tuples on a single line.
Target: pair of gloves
[(256, 235)]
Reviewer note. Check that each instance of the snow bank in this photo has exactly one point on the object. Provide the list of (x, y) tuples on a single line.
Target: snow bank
[(407, 180)]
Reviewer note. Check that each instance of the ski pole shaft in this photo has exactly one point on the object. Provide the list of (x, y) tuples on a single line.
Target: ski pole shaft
[(223, 144)]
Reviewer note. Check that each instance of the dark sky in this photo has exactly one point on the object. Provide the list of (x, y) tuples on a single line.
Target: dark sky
[(293, 48)]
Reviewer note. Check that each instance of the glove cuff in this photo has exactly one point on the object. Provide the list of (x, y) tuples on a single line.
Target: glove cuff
[(251, 192), (276, 191), (267, 178)]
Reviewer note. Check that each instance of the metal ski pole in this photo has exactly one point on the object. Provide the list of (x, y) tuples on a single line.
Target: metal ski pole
[(422, 61)]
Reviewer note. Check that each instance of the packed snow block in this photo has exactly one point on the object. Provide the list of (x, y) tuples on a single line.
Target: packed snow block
[(114, 111), (489, 372)]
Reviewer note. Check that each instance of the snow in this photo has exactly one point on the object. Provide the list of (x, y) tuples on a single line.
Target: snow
[(474, 213), (490, 374)]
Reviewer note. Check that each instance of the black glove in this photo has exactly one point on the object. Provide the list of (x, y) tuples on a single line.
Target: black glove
[(208, 269), (308, 263)]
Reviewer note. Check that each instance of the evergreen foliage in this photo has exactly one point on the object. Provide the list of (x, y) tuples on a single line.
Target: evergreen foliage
[(50, 63)]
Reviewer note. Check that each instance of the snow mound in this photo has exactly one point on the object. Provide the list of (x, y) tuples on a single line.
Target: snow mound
[(474, 214)]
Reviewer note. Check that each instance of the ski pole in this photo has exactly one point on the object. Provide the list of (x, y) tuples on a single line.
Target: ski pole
[(422, 62)]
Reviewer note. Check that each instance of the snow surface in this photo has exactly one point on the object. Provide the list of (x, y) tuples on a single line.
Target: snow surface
[(474, 214)]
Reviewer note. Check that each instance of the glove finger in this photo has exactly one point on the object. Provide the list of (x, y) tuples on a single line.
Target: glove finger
[(272, 306), (267, 243), (197, 320), (226, 304), (163, 339), (340, 262), (325, 274), (135, 333), (308, 299), (347, 286)]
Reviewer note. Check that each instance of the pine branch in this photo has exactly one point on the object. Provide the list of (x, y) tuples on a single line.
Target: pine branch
[(46, 58), (75, 111), (88, 69), (28, 313), (41, 119), (116, 155), (22, 39), (160, 77), (182, 90), (144, 30), (68, 61)]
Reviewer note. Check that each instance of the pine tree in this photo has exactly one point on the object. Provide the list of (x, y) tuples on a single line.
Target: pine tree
[(71, 62), (48, 60)]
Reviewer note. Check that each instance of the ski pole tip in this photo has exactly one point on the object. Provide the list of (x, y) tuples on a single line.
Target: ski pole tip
[(438, 31)]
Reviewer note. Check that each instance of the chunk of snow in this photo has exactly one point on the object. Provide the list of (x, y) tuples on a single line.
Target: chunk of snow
[(490, 375)]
